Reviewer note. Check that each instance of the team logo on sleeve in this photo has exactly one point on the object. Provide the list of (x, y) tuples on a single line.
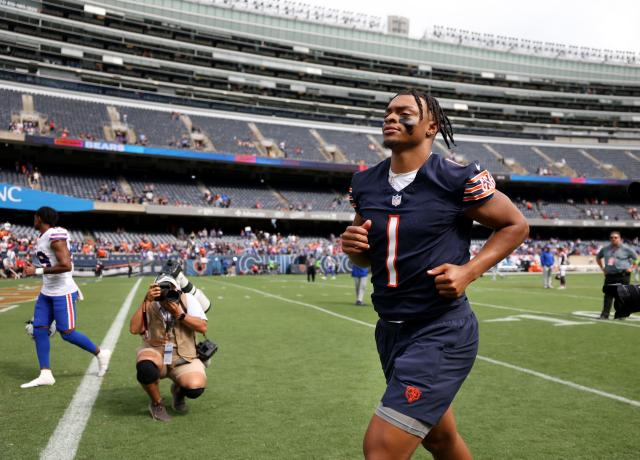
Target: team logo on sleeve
[(396, 200), (480, 186), (487, 181), (412, 394)]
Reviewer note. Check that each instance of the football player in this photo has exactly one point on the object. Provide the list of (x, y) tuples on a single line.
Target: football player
[(58, 296), (414, 213)]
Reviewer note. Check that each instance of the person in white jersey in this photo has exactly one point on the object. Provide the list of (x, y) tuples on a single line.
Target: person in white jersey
[(58, 296)]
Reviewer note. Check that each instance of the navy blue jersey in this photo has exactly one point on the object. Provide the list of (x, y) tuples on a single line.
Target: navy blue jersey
[(416, 229)]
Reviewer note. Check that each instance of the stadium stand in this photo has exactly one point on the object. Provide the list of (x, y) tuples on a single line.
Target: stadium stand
[(623, 160), (160, 128), (133, 238), (570, 210), (309, 200), (228, 136), (81, 186), (162, 192), (10, 103), (473, 151), (80, 118), (247, 195), (355, 146), (251, 194), (293, 141), (24, 231), (524, 155), (574, 159)]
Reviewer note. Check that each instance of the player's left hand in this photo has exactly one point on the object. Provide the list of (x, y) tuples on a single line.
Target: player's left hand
[(451, 280), (29, 269)]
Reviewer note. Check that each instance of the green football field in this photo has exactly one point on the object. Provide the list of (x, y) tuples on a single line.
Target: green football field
[(297, 376)]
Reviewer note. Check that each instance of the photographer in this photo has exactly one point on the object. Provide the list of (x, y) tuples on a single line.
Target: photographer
[(168, 320), (617, 261)]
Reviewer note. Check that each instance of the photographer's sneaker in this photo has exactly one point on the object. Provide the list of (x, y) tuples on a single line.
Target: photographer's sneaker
[(45, 378), (179, 403), (103, 361), (159, 412)]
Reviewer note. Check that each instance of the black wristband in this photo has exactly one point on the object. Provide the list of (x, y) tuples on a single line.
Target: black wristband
[(181, 317)]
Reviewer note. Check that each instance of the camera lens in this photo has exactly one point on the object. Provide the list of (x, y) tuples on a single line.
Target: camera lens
[(172, 296)]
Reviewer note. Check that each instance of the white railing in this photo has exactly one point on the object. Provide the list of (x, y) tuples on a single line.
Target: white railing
[(531, 47), (303, 11)]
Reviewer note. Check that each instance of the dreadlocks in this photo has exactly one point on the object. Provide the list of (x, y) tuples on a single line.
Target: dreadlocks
[(433, 106)]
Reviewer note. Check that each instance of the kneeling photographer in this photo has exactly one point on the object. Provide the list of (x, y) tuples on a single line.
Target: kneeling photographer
[(168, 320)]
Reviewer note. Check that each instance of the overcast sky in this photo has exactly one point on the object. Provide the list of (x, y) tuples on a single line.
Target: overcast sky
[(609, 24)]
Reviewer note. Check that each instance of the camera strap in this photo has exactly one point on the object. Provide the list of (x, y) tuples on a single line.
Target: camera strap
[(184, 309), (145, 321)]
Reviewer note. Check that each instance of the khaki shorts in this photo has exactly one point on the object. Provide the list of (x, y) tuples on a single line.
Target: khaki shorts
[(177, 369)]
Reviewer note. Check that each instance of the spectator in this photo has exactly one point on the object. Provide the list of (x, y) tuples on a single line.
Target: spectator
[(617, 262), (547, 262), (359, 275)]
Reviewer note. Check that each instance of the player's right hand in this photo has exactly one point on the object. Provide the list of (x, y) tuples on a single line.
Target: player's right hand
[(355, 239), (153, 292), (29, 269)]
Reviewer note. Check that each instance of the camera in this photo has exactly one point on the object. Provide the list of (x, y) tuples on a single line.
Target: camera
[(627, 296), (168, 292), (206, 349), (172, 268)]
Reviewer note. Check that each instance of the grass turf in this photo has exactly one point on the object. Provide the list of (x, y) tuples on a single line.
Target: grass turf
[(291, 381)]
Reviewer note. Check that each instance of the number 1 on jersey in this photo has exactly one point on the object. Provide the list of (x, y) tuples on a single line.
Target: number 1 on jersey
[(392, 250)]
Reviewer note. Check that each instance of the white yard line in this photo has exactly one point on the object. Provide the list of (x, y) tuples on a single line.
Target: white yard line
[(304, 304), (64, 441), (473, 287), (564, 315), (550, 378), (17, 304), (527, 310), (542, 291)]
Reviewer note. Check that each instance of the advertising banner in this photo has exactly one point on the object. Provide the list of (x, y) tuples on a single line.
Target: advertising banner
[(247, 263), (26, 199)]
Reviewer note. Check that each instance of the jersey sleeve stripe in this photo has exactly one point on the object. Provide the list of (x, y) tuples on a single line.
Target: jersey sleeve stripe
[(476, 193), (474, 188), (478, 197)]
